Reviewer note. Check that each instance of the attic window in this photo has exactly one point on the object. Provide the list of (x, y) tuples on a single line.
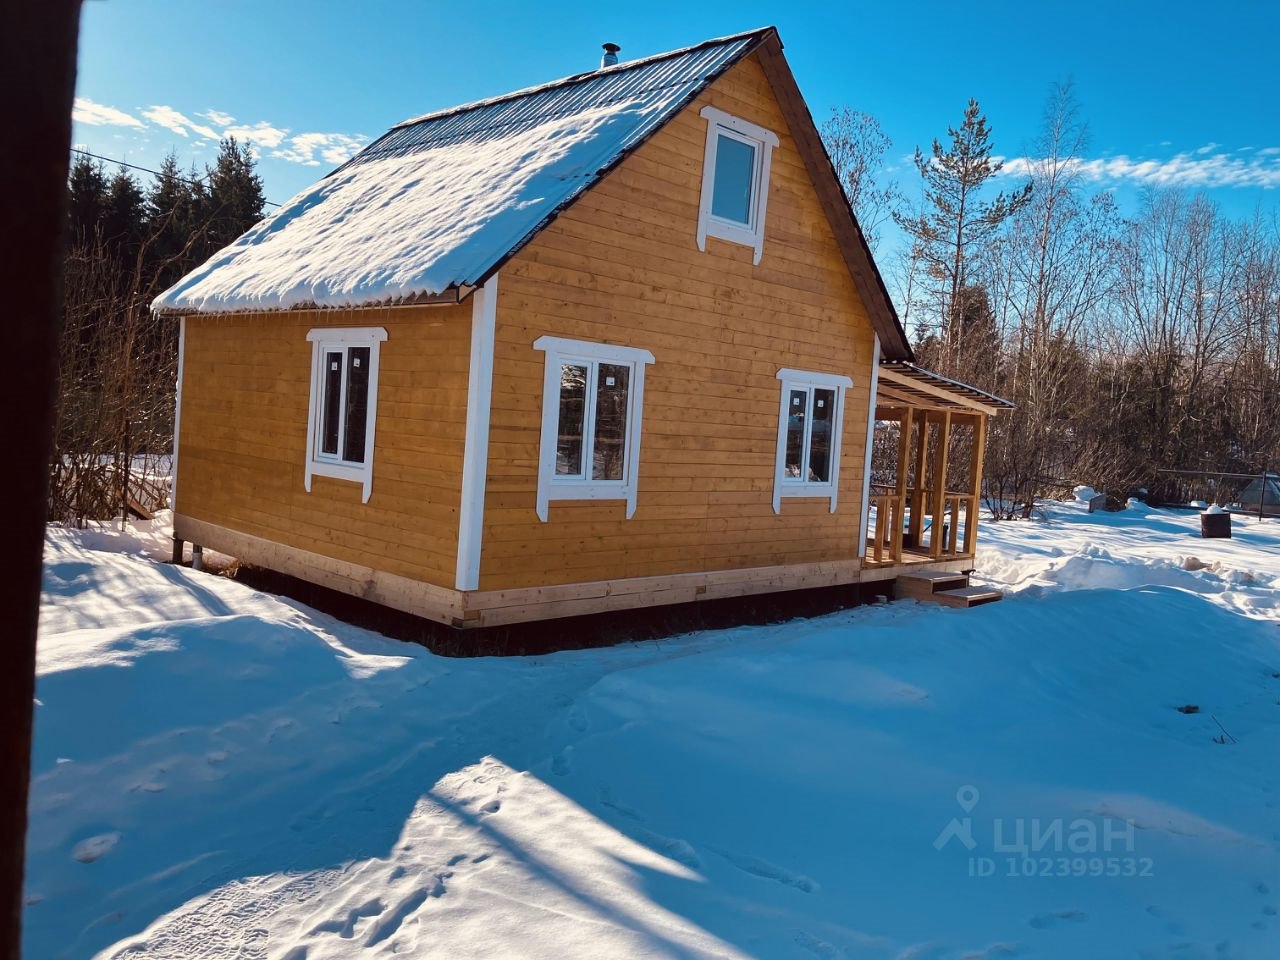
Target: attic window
[(735, 180), (592, 399), (344, 399)]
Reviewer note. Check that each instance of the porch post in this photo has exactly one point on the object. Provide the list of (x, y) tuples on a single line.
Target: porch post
[(940, 484), (917, 494), (979, 452), (904, 464), (873, 398)]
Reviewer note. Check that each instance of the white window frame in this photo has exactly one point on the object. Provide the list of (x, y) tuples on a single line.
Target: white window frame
[(324, 339), (560, 351), (709, 225), (807, 380)]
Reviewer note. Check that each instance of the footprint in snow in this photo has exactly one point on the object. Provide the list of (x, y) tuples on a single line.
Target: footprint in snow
[(456, 859), (673, 848), (560, 765), (993, 952), (94, 848), (493, 806), (389, 923), (819, 948), (578, 720), (606, 799), (769, 871), (1044, 921), (345, 926)]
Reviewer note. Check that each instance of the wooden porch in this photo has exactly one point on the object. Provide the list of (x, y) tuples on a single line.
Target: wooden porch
[(926, 489)]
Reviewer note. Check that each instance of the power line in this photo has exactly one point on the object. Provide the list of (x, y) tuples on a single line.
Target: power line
[(154, 173)]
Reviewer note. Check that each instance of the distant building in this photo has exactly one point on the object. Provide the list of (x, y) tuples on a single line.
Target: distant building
[(1263, 492)]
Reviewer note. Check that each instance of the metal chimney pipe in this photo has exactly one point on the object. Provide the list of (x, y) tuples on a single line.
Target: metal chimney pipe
[(610, 55)]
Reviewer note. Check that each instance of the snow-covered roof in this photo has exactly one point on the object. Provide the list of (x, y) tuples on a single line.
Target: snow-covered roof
[(441, 201)]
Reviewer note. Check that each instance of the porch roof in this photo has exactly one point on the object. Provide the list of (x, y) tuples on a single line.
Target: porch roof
[(904, 384)]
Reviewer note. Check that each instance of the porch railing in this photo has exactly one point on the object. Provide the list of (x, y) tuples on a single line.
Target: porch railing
[(900, 520), (888, 526)]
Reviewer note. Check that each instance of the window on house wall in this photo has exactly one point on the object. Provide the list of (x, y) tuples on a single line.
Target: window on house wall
[(810, 421), (591, 416), (735, 180), (344, 395)]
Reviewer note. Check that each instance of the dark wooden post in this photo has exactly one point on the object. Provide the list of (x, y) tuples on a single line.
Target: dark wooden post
[(38, 58)]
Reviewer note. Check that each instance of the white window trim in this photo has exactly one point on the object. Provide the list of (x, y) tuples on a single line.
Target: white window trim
[(709, 225), (784, 486), (326, 465), (552, 487)]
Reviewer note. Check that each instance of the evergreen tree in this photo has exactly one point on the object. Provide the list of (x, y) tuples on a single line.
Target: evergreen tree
[(124, 218), (955, 220), (87, 198), (235, 193), (176, 206)]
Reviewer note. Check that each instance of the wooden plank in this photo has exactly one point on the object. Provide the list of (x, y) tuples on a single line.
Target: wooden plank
[(904, 464), (975, 487), (244, 436), (852, 244), (907, 385), (436, 603), (940, 484), (917, 497)]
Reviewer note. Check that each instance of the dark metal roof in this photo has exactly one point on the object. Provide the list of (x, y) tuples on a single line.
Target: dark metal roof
[(662, 83)]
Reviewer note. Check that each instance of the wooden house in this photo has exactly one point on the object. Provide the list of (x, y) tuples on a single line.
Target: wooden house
[(615, 341)]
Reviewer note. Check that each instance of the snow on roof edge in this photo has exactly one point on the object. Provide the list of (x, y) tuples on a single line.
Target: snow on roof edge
[(177, 300)]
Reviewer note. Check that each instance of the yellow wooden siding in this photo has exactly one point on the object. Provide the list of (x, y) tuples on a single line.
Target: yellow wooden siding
[(621, 265), (242, 453)]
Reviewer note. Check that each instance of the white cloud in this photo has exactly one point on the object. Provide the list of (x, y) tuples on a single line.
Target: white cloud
[(1202, 168), (333, 148), (261, 134), (180, 124), (98, 114), (310, 149), (218, 117)]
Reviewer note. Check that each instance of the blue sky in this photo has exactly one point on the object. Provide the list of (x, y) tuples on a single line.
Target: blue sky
[(1177, 93)]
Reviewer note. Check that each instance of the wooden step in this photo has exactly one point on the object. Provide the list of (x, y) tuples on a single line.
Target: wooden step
[(966, 596), (924, 584)]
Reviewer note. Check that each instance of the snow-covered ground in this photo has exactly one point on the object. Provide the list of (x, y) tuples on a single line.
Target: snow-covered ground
[(221, 773)]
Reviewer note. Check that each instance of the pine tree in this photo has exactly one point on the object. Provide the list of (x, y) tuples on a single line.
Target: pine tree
[(235, 193), (87, 198), (955, 220), (176, 206), (124, 218)]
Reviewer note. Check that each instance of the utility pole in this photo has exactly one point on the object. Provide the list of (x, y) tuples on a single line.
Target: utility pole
[(37, 57)]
